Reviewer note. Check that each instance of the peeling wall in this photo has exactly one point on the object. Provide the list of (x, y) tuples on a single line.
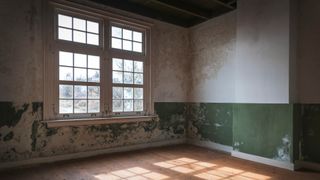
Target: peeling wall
[(171, 60), (28, 137), (23, 135), (210, 122), (212, 47), (264, 130)]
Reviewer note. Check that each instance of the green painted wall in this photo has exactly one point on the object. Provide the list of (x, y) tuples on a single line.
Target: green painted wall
[(283, 132), (23, 135), (264, 130), (210, 122), (310, 133)]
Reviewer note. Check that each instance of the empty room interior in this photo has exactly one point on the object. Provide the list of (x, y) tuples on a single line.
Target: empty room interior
[(159, 89)]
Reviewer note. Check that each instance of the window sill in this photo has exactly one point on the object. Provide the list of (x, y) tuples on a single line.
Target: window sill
[(97, 121)]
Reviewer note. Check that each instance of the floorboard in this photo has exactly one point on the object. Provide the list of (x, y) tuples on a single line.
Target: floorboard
[(172, 162)]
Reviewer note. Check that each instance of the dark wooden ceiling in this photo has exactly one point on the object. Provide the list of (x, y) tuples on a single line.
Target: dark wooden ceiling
[(184, 13)]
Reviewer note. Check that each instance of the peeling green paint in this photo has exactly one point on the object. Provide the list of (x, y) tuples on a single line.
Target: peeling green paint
[(172, 116), (310, 120), (264, 130), (75, 130), (149, 126), (36, 106), (8, 137), (51, 131), (34, 134), (211, 122), (10, 115)]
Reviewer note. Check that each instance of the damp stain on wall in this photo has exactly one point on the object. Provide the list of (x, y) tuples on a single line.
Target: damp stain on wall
[(210, 122), (264, 130), (29, 137), (11, 114)]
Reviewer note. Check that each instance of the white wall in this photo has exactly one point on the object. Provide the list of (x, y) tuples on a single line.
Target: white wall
[(262, 51), (212, 47)]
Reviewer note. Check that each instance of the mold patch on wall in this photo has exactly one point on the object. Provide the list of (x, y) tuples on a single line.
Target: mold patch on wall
[(210, 122), (264, 130), (29, 137), (11, 114)]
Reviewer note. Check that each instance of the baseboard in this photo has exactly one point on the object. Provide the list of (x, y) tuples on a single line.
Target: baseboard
[(307, 165), (262, 160), (211, 145), (51, 159)]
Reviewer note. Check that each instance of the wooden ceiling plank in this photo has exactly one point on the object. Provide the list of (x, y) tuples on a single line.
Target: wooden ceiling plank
[(180, 9), (224, 4)]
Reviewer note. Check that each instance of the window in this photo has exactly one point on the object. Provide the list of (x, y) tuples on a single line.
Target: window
[(98, 69), (78, 30), (127, 90), (79, 83), (126, 39)]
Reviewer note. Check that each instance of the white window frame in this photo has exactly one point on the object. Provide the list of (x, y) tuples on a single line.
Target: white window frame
[(53, 45)]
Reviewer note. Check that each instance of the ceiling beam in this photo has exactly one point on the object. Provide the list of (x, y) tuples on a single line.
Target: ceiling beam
[(224, 4), (180, 9)]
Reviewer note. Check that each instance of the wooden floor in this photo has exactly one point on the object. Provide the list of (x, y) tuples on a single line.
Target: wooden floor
[(174, 162)]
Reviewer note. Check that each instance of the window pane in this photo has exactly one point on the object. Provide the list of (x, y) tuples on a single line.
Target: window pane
[(65, 91), (128, 78), (127, 45), (117, 93), (127, 34), (80, 60), (128, 65), (138, 93), (79, 24), (137, 47), (93, 106), (79, 36), (128, 93), (128, 105), (65, 74), (137, 36), (138, 105), (117, 77), (80, 74), (93, 75), (65, 106), (92, 39), (80, 92), (116, 32), (93, 92), (138, 66), (116, 43), (80, 106), (117, 64), (93, 27), (65, 58), (138, 78), (64, 21), (65, 34), (117, 105), (93, 62)]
